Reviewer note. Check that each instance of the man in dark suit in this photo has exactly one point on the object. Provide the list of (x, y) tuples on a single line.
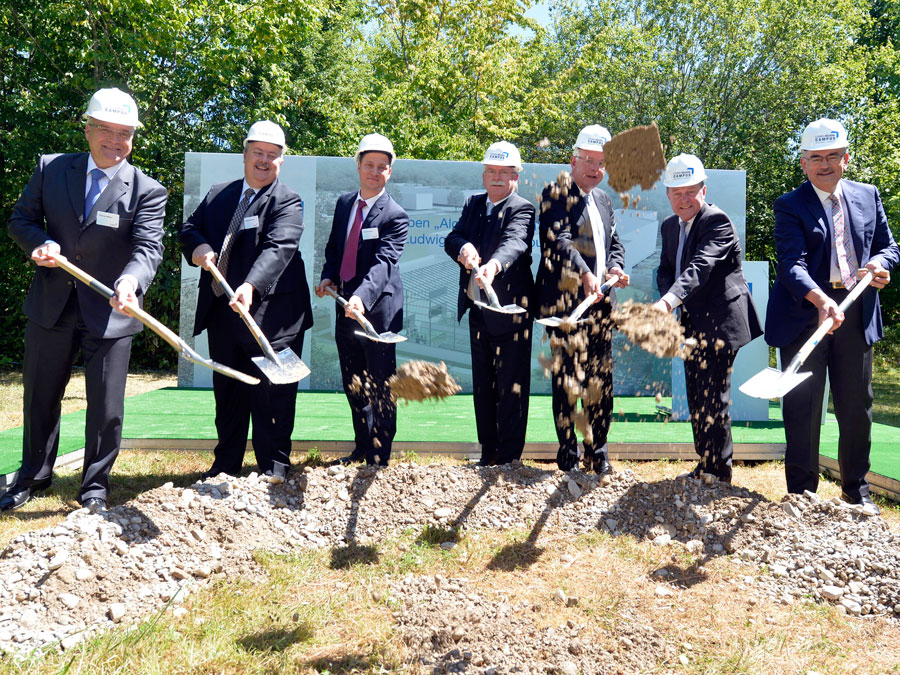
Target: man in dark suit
[(106, 216), (367, 238), (580, 249), (700, 272), (262, 219), (494, 232), (828, 232)]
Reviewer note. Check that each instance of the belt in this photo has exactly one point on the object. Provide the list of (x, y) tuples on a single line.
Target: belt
[(837, 285)]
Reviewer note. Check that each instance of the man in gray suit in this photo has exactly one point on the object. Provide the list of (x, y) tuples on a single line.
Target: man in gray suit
[(106, 216)]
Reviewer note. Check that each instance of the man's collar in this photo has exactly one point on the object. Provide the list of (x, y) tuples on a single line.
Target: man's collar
[(109, 171), (370, 200), (823, 194)]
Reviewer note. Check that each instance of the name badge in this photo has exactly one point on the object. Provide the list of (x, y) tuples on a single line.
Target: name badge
[(369, 233), (105, 219), (251, 223)]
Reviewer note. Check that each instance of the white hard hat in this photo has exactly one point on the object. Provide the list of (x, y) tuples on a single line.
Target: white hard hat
[(684, 170), (375, 143), (592, 137), (266, 132), (824, 134), (113, 105), (503, 153)]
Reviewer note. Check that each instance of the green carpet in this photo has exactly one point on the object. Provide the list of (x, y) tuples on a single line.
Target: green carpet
[(325, 416)]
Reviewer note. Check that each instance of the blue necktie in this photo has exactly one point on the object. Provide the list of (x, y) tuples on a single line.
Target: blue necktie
[(682, 236), (94, 192)]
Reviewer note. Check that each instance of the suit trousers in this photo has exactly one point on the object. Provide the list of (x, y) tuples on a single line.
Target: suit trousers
[(366, 367), (847, 359), (707, 374), (584, 371), (501, 383), (49, 356), (270, 406)]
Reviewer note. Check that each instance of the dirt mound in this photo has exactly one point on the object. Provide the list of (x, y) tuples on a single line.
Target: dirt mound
[(634, 157), (657, 332), (421, 380)]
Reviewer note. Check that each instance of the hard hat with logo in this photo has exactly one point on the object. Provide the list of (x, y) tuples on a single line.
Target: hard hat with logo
[(503, 153), (592, 137), (375, 143), (684, 170), (115, 106), (266, 132), (824, 134)]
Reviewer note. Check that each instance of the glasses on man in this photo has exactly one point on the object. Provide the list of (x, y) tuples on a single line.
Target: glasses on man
[(590, 161), (833, 158), (121, 134), (504, 174)]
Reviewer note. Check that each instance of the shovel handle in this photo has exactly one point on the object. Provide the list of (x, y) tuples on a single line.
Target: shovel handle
[(363, 321), (582, 307), (826, 325), (258, 335), (169, 336), (493, 300), (609, 283)]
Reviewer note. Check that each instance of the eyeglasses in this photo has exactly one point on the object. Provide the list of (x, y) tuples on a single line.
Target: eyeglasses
[(501, 173), (590, 161), (121, 134), (831, 158)]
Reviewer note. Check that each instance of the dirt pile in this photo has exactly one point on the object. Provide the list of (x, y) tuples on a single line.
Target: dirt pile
[(657, 332), (421, 380), (634, 157), (59, 585)]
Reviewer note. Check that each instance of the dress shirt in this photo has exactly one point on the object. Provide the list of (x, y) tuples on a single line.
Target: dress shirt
[(365, 211), (108, 174), (825, 198), (599, 243)]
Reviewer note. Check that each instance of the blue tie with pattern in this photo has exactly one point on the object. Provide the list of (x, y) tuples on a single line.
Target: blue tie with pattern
[(93, 193)]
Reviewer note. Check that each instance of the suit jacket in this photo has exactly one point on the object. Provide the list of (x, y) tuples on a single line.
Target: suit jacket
[(803, 241), (567, 246), (505, 236), (267, 257), (377, 281), (711, 286), (52, 207)]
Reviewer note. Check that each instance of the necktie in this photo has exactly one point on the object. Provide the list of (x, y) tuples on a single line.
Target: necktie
[(228, 242), (93, 192), (348, 264), (597, 232), (847, 266), (682, 236)]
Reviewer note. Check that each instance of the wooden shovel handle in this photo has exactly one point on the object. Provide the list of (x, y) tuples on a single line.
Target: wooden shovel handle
[(258, 335)]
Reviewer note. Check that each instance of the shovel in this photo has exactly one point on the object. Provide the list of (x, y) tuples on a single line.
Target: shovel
[(170, 337), (575, 317), (281, 368), (772, 383), (493, 303), (387, 337)]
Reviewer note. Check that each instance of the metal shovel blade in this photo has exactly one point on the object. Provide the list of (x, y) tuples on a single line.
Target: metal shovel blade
[(387, 337), (285, 369), (502, 309), (556, 322), (772, 383)]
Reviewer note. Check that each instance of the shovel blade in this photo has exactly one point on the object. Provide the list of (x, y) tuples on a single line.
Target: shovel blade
[(502, 309), (387, 337), (552, 321), (772, 383), (288, 368)]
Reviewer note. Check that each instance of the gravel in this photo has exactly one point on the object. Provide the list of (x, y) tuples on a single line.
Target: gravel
[(64, 583)]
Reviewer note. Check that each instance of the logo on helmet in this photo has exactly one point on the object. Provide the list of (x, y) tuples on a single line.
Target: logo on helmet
[(682, 175), (827, 138), (498, 155)]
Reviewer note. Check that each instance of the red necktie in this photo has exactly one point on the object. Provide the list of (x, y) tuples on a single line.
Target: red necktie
[(348, 264)]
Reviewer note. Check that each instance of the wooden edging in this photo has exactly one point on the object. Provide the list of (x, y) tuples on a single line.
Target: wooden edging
[(882, 485)]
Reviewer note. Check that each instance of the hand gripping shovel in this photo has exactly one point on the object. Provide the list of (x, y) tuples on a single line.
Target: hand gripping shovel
[(575, 317), (370, 332), (281, 368), (170, 337), (493, 302), (772, 383)]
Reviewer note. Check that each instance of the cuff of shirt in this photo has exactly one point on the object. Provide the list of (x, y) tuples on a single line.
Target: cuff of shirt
[(131, 278), (672, 300)]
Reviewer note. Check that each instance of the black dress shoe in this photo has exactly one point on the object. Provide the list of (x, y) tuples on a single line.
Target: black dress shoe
[(94, 504), (695, 473), (353, 458), (866, 502), (212, 473), (602, 467), (18, 495)]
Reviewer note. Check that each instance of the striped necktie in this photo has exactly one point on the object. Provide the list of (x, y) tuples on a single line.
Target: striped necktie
[(230, 235), (846, 265)]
